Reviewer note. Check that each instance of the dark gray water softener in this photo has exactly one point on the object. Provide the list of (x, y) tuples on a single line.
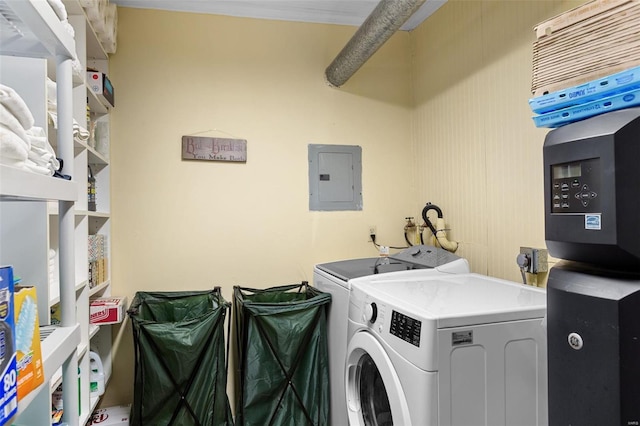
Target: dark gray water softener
[(592, 219)]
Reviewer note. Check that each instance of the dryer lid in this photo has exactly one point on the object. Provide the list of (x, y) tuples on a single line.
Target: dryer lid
[(457, 299)]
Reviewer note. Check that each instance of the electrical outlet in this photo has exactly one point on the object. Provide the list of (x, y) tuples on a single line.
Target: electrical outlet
[(372, 231), (538, 259)]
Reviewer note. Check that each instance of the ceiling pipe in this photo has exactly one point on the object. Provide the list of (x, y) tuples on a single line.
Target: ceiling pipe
[(380, 25)]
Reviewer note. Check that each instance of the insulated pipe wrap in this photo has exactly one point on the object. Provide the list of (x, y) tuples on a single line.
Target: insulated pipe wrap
[(380, 25)]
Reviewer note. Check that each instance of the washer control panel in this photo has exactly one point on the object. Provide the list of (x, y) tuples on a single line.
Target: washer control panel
[(405, 328), (575, 187)]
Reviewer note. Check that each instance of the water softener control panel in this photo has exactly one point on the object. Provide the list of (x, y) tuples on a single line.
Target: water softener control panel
[(592, 190), (575, 186)]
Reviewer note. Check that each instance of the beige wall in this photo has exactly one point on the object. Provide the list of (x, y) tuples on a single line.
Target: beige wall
[(193, 225), (441, 114), (479, 155)]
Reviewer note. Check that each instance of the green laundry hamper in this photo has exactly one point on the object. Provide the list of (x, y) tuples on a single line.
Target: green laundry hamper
[(282, 376), (180, 359)]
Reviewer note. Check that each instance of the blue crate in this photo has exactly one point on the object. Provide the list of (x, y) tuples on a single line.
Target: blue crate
[(604, 87), (589, 109)]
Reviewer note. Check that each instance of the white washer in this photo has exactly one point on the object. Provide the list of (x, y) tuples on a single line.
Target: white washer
[(447, 350), (336, 277)]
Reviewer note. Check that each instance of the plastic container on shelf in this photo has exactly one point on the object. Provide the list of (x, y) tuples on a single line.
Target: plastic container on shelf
[(96, 375)]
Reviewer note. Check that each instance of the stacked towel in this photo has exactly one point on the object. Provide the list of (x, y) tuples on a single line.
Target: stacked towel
[(61, 11), (15, 118), (94, 10), (11, 123), (16, 106), (76, 69), (42, 154), (58, 8), (13, 151), (52, 96), (109, 36), (104, 19), (23, 145), (80, 134)]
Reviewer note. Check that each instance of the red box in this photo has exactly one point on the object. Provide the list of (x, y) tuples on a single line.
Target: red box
[(107, 310)]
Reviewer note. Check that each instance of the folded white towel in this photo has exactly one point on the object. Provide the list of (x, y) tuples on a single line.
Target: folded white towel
[(95, 11), (58, 8), (52, 95), (14, 103), (69, 28), (40, 157), (42, 152), (111, 16), (108, 36), (99, 25), (12, 149), (38, 138), (35, 168), (53, 118), (76, 69), (81, 132), (111, 46), (8, 120)]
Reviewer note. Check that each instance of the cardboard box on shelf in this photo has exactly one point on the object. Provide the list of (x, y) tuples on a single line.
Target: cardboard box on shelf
[(9, 391), (28, 351), (107, 310), (111, 416)]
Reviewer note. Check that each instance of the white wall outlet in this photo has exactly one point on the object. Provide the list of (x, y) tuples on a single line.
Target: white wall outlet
[(372, 231)]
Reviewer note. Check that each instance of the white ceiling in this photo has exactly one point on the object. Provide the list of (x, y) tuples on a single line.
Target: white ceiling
[(344, 12)]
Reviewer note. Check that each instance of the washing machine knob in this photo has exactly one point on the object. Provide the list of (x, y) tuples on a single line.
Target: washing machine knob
[(370, 312)]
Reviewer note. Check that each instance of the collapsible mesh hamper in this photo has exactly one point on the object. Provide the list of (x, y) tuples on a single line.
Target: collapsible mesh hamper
[(180, 366), (282, 377)]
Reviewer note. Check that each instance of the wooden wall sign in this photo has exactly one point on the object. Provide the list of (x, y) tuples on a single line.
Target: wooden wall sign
[(214, 149)]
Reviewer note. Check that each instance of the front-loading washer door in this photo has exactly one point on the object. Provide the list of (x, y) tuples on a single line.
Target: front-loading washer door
[(374, 394)]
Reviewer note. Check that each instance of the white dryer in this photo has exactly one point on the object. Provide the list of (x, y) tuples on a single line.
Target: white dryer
[(446, 350), (336, 277)]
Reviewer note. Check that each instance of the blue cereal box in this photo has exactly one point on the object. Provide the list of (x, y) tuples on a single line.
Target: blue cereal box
[(8, 378)]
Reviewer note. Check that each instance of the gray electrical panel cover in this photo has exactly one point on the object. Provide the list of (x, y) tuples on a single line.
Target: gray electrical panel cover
[(335, 177)]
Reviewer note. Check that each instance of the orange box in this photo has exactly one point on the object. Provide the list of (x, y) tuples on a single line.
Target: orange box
[(28, 351)]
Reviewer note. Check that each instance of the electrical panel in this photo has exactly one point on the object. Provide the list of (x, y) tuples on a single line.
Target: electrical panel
[(335, 177)]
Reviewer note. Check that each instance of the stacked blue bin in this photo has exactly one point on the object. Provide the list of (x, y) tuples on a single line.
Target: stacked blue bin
[(610, 93)]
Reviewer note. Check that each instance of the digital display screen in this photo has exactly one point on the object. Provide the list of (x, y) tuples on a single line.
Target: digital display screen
[(568, 170)]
